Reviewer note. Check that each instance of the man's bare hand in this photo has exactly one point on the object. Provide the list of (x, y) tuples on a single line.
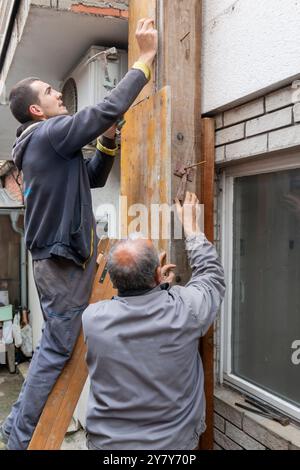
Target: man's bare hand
[(189, 214), (147, 38), (167, 270)]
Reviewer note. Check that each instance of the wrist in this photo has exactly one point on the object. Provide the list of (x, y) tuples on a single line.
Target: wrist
[(192, 233), (109, 135), (147, 59)]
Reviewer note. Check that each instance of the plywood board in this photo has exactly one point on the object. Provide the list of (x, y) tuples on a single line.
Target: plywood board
[(146, 157)]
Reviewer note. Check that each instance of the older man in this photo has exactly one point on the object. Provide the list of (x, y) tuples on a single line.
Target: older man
[(147, 383)]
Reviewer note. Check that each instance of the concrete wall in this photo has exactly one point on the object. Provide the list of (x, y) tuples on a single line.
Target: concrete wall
[(248, 48)]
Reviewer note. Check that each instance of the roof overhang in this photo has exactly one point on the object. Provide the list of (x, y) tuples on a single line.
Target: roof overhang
[(52, 43)]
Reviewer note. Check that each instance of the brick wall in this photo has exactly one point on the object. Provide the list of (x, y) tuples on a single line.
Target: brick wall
[(239, 430), (264, 125), (9, 183)]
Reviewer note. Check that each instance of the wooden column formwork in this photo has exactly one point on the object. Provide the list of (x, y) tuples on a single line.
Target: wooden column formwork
[(178, 67)]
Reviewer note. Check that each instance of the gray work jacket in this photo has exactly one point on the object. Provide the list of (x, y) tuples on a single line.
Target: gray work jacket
[(147, 389)]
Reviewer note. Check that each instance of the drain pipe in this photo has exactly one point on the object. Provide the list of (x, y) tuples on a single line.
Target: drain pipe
[(9, 32), (14, 219)]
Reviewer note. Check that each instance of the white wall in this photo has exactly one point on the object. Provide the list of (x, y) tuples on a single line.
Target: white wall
[(248, 46)]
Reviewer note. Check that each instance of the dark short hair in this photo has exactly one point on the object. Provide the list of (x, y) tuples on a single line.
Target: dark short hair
[(21, 97), (137, 275)]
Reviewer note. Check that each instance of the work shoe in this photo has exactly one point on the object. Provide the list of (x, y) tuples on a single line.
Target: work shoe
[(3, 439)]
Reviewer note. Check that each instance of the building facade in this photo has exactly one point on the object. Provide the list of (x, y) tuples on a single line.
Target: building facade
[(250, 87)]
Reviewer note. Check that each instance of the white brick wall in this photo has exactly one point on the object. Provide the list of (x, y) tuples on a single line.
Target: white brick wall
[(269, 122), (285, 138), (242, 113), (230, 134), (247, 147), (264, 125), (280, 99)]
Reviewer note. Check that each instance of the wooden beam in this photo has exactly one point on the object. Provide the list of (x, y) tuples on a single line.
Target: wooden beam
[(207, 343), (140, 9), (145, 165), (59, 408), (179, 66)]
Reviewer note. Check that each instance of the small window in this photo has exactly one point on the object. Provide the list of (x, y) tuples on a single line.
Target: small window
[(262, 260), (11, 226)]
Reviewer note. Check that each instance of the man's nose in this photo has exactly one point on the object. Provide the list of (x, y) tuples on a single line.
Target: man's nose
[(58, 95)]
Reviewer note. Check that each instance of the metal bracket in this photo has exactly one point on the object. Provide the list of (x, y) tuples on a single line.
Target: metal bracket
[(185, 171), (104, 273)]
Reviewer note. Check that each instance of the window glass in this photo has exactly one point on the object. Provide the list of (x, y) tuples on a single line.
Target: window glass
[(266, 281)]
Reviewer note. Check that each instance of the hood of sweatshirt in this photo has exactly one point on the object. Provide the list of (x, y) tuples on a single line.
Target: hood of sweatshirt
[(24, 134)]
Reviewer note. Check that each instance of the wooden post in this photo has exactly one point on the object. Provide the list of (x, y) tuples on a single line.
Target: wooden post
[(207, 343), (140, 9), (179, 66)]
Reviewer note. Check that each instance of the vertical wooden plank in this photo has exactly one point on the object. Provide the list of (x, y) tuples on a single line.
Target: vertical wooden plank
[(62, 401), (140, 9), (179, 66), (146, 156), (207, 343)]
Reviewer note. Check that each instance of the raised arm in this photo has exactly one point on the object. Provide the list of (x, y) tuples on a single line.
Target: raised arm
[(206, 288), (69, 134)]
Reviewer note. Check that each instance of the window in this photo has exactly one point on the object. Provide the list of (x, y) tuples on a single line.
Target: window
[(12, 258), (262, 247)]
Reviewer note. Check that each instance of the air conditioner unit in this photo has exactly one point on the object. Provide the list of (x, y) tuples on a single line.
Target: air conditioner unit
[(90, 82)]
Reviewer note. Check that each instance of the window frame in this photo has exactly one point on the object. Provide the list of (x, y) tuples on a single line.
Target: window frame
[(279, 162)]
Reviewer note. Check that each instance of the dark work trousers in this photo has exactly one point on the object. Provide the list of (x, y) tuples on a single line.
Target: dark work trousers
[(64, 290)]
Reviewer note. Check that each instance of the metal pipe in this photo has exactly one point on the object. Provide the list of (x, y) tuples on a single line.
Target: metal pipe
[(23, 261), (9, 32)]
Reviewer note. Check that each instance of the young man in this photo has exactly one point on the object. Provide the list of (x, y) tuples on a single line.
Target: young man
[(147, 381), (59, 222)]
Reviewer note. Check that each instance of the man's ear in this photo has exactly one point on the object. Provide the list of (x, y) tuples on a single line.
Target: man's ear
[(158, 276), (36, 111)]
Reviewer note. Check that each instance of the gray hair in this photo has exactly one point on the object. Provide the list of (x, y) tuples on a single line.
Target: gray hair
[(139, 272)]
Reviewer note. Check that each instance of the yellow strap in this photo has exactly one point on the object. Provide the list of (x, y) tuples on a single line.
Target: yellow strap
[(110, 152), (144, 68)]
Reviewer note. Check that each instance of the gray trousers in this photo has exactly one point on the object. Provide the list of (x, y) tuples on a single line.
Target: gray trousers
[(64, 290)]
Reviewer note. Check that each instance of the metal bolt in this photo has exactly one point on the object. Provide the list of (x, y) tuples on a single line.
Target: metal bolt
[(180, 137)]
